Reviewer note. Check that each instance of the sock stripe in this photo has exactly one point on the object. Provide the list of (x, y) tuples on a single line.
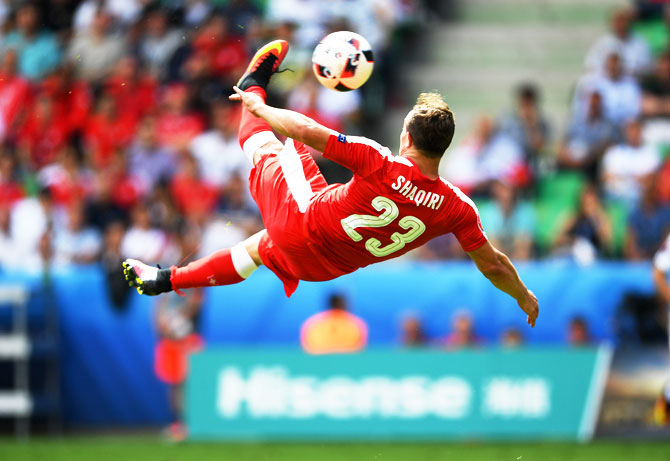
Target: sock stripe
[(242, 261)]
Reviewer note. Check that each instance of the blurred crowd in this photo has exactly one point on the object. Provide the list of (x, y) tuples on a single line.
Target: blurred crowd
[(338, 330), (117, 138), (602, 187)]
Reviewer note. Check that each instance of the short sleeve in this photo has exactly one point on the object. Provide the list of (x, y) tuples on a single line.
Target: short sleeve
[(470, 233), (361, 155), (662, 257)]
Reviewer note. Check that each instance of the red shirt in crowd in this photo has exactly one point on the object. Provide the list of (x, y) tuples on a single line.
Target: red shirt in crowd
[(14, 97), (193, 196)]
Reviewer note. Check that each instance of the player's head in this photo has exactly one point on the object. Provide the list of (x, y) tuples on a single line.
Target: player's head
[(429, 126), (337, 301)]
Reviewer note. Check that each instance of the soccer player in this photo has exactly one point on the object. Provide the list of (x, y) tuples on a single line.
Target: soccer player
[(319, 232)]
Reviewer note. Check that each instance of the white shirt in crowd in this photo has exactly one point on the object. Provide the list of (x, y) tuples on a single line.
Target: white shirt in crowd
[(634, 51), (471, 164), (623, 167), (219, 158), (70, 246), (622, 99), (144, 244)]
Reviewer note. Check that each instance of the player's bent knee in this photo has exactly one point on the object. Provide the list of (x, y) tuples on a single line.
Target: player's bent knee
[(272, 147)]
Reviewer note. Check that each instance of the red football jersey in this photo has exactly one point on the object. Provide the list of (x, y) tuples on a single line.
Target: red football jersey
[(386, 210)]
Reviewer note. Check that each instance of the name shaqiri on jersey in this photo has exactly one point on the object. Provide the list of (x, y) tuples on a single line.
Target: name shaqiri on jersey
[(407, 188)]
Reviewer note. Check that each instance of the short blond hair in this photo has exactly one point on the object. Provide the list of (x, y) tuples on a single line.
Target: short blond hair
[(432, 124)]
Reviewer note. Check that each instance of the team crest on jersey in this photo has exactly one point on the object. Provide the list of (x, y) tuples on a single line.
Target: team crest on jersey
[(342, 138)]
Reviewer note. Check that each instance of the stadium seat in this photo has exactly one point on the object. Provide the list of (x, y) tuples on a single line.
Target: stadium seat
[(564, 187), (558, 195), (618, 215)]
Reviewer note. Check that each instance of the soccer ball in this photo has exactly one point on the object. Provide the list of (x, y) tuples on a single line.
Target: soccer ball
[(342, 61)]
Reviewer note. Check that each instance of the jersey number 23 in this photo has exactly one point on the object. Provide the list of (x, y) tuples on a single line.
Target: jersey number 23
[(389, 212)]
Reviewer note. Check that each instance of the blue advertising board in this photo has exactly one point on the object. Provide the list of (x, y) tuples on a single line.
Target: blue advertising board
[(413, 395)]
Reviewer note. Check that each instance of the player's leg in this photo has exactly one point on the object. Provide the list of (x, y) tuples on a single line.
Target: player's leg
[(224, 267), (255, 135)]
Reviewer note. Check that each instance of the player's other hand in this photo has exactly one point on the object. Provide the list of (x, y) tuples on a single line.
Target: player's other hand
[(251, 101), (529, 306)]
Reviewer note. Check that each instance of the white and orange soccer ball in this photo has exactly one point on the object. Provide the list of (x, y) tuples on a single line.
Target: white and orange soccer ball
[(342, 61)]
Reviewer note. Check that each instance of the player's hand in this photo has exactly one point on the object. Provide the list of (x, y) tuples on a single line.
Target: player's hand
[(530, 307), (251, 101)]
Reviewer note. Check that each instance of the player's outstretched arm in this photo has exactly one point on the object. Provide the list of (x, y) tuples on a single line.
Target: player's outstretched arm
[(497, 267), (285, 122)]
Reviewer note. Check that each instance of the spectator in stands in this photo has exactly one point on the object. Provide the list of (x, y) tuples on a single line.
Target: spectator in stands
[(588, 229), (8, 253), (509, 222), (221, 232), (511, 338), (528, 126), (196, 12), (194, 197), (31, 221), (217, 150), (412, 334), (578, 332), (236, 203), (224, 48), (177, 323), (148, 160), (177, 124), (243, 14), (621, 40), (37, 49), (66, 178), (656, 100), (14, 93), (298, 60), (103, 205), (308, 15), (124, 12), (96, 51), (488, 155), (660, 274), (335, 330), (132, 88), (621, 95), (588, 135), (11, 190), (142, 239), (42, 134), (462, 331), (71, 98), (625, 165), (111, 258), (204, 86), (648, 224), (74, 243), (656, 89), (159, 42), (107, 130)]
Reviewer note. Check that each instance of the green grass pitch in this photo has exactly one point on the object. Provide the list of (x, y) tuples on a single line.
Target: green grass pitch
[(150, 449)]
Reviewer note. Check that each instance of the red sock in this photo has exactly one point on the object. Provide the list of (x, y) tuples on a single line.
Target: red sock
[(215, 269), (250, 124)]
